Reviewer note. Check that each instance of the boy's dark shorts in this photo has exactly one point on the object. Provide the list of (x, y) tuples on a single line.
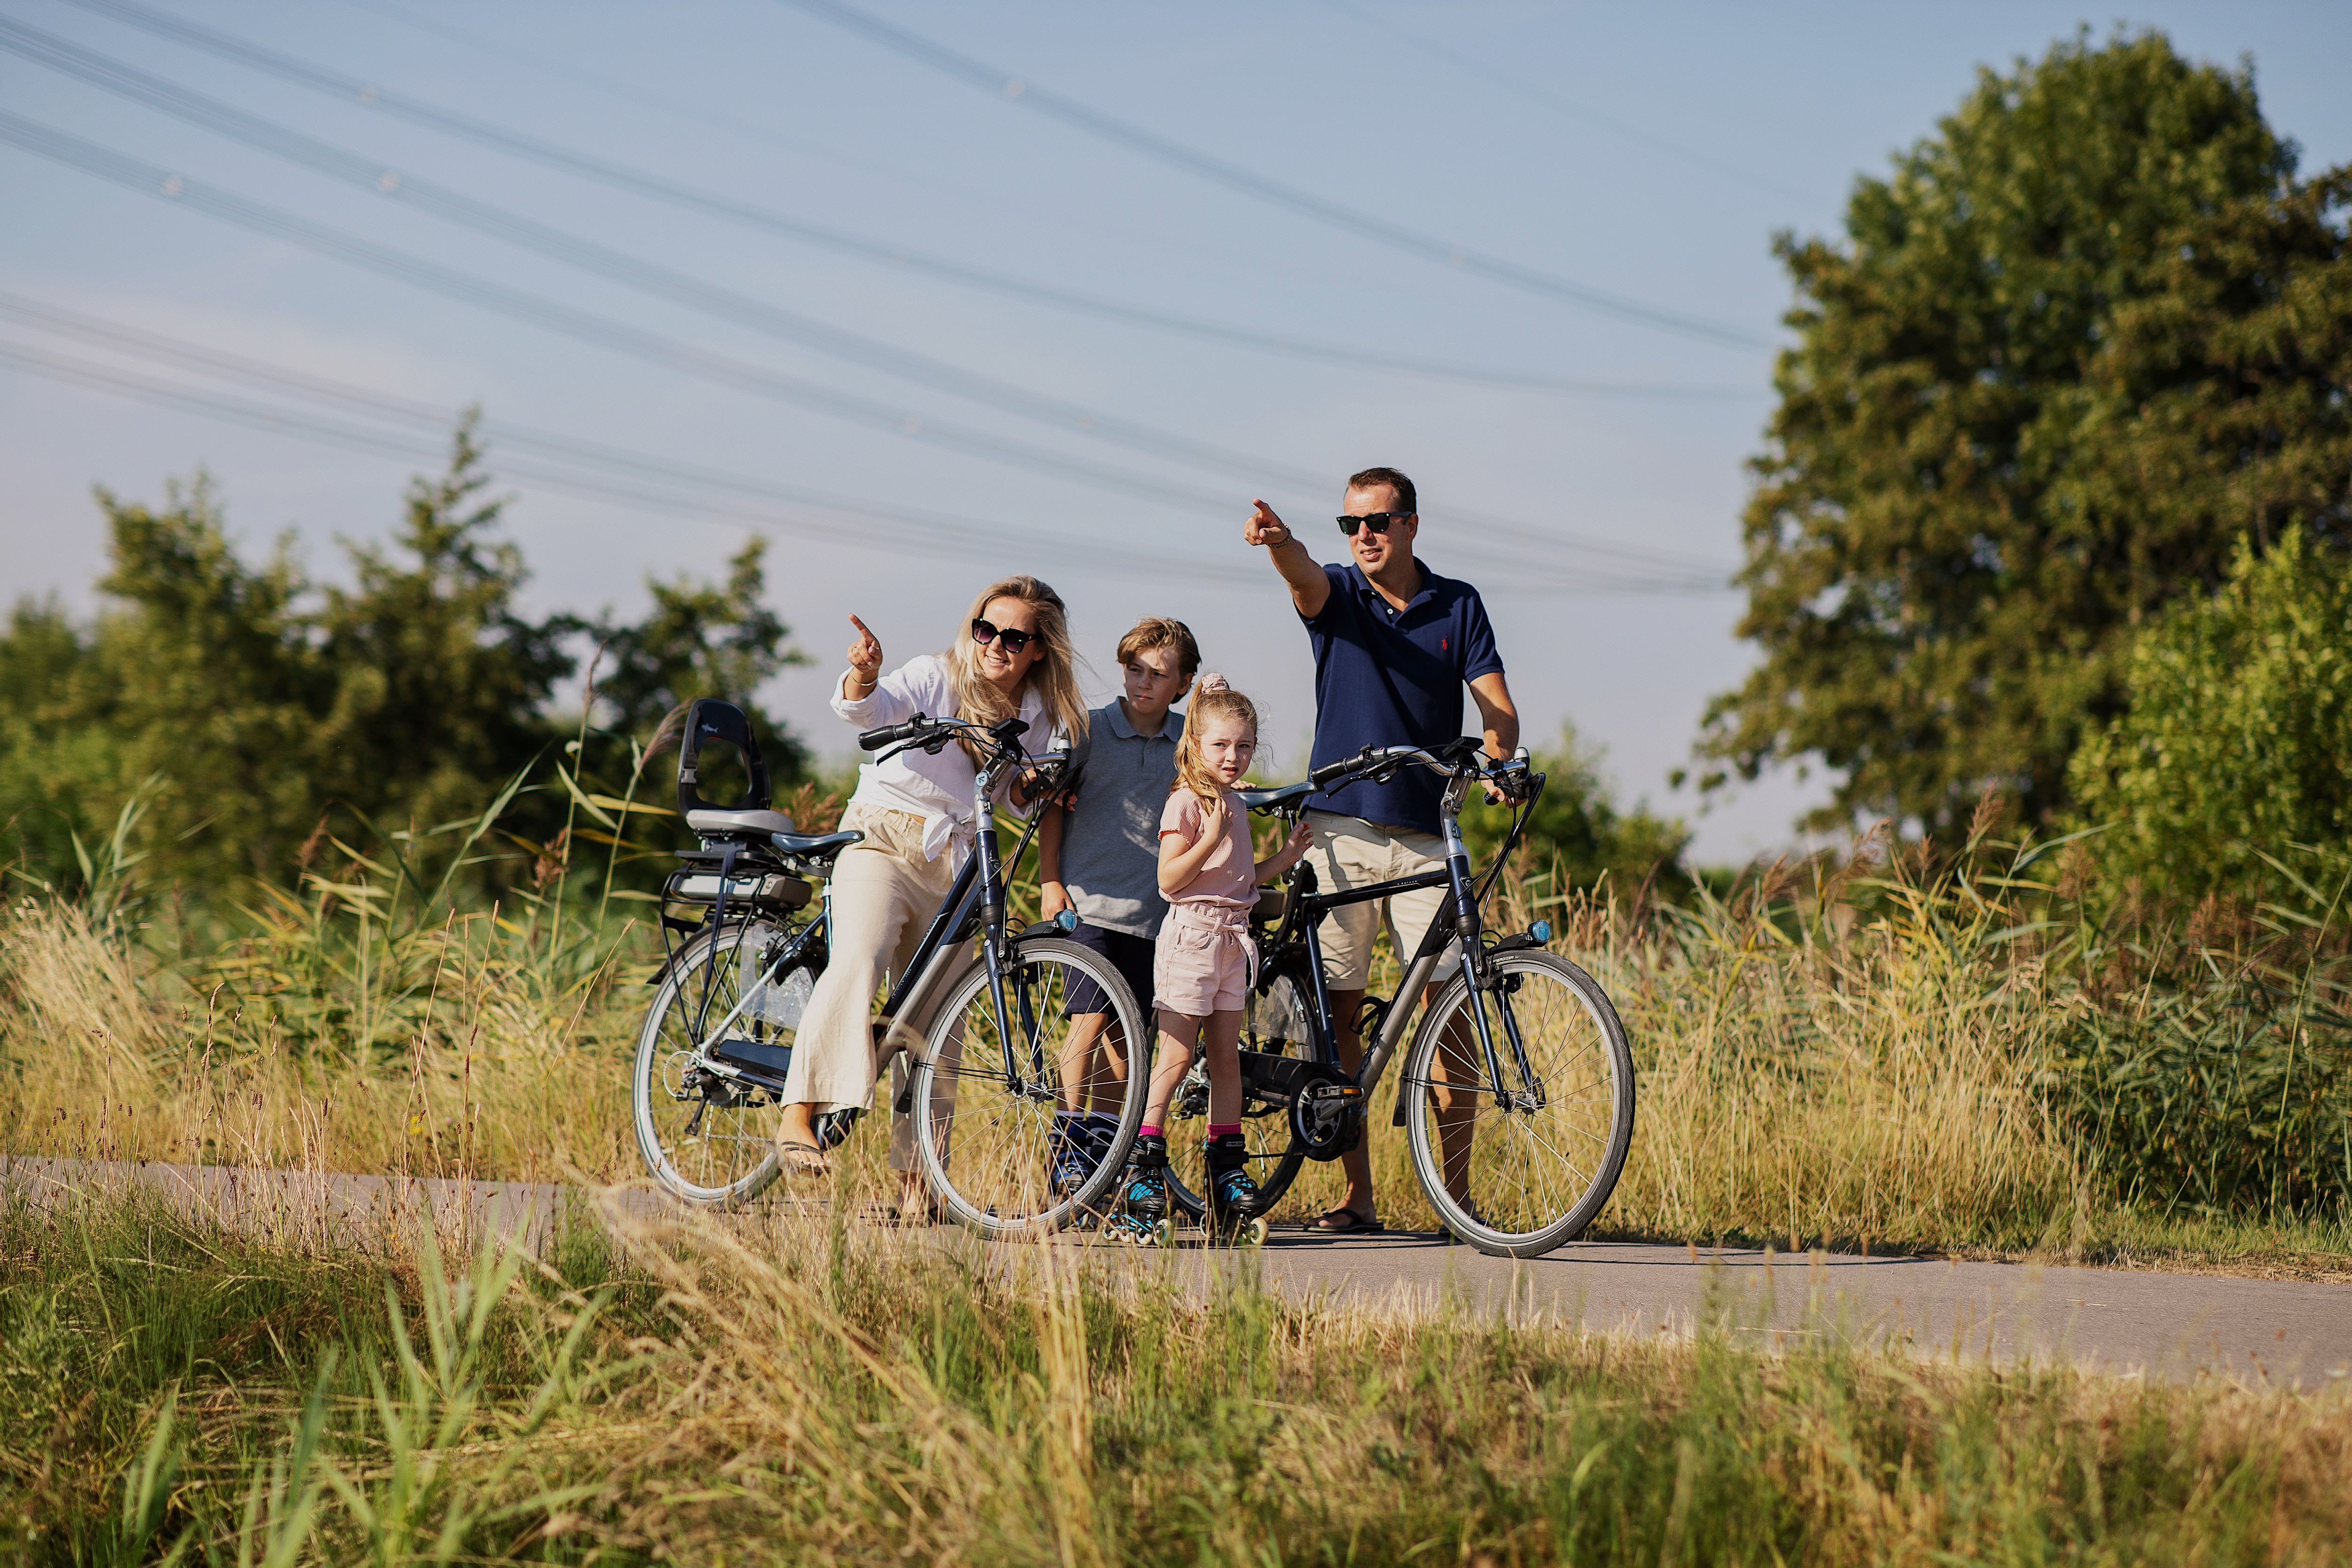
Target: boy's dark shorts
[(1129, 955)]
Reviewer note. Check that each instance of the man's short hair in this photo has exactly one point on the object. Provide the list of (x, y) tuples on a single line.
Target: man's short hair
[(1158, 632), (1406, 499)]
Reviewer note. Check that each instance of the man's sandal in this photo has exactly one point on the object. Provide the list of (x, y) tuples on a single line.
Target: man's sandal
[(1345, 1221), (802, 1159)]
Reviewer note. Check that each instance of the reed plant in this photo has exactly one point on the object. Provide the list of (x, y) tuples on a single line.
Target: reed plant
[(762, 1389), (1885, 1049)]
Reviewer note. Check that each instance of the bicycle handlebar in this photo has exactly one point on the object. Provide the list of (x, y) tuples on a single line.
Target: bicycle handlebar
[(933, 734), (1459, 759), (891, 733)]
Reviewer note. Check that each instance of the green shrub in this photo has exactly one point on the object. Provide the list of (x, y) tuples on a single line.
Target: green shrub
[(2239, 732)]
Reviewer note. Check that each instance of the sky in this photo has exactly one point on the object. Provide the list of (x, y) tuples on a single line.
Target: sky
[(927, 293)]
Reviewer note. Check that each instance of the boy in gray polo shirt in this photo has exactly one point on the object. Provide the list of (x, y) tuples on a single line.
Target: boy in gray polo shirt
[(1098, 854)]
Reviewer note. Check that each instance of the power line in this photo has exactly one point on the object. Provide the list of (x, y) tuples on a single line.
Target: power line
[(740, 309), (875, 525), (702, 115), (740, 374), (1364, 16), (1355, 221), (162, 347), (878, 529), (865, 247)]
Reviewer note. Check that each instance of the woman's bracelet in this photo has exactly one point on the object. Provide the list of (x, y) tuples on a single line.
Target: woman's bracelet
[(855, 681)]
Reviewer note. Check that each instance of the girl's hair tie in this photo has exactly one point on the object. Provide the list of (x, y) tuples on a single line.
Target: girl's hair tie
[(1212, 682)]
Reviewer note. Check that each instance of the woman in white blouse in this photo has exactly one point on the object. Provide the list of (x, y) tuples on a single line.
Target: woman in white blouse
[(915, 809)]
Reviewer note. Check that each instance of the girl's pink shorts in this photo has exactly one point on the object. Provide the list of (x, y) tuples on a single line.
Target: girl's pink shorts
[(1204, 960)]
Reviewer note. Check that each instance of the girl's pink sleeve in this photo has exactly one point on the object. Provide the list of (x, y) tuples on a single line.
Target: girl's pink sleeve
[(1182, 816)]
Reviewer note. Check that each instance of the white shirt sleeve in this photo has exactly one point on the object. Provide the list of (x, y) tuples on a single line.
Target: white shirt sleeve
[(919, 686)]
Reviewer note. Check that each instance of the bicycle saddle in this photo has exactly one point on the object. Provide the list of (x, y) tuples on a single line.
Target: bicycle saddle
[(819, 846), (712, 823), (1275, 799)]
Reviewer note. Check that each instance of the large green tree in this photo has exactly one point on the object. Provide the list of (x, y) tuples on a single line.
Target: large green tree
[(2075, 343)]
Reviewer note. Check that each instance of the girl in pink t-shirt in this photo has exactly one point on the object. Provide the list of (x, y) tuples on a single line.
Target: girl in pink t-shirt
[(1204, 960)]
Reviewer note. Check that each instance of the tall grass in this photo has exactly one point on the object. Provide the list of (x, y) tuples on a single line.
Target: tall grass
[(765, 1392), (1888, 1050)]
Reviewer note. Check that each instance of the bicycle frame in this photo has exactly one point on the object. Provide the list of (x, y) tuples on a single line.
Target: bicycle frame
[(1460, 924)]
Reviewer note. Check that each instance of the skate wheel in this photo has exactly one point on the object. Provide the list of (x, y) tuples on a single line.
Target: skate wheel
[(1251, 1235)]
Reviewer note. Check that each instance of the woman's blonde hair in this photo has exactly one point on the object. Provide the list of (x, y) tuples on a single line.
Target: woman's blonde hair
[(1210, 701), (1053, 677)]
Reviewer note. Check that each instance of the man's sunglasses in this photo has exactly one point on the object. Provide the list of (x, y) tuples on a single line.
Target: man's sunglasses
[(981, 632), (1377, 521)]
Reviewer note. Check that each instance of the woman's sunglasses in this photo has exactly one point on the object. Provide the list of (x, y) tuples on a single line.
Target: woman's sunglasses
[(1377, 521), (981, 632)]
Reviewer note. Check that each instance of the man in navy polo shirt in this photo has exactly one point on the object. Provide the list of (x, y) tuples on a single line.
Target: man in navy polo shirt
[(1395, 645)]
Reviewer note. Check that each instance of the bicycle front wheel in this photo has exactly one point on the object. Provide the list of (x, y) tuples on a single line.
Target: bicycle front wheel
[(988, 1087), (708, 1139), (1515, 1166)]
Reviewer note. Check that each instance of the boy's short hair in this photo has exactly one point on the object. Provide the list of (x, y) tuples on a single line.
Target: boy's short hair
[(1406, 501), (1158, 632)]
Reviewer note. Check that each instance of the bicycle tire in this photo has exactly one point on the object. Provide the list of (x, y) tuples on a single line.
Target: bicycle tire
[(727, 1168), (981, 1139), (1519, 1206), (1279, 1021)]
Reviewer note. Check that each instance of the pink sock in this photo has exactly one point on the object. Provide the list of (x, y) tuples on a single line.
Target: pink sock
[(1219, 1129), (1147, 1132)]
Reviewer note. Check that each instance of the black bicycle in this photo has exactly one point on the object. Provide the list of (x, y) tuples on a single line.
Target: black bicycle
[(1517, 1094), (987, 1021), (735, 976)]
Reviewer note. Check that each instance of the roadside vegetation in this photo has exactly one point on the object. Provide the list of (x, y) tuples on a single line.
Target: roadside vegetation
[(1986, 1051), (767, 1391)]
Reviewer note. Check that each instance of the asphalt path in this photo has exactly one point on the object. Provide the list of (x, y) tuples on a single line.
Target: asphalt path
[(2175, 1327)]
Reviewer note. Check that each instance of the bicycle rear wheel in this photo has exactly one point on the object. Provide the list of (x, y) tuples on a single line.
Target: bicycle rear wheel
[(1278, 1022), (708, 1139), (1518, 1177), (985, 1095)]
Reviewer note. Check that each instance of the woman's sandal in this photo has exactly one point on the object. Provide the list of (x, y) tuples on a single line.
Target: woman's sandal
[(802, 1159), (1345, 1221)]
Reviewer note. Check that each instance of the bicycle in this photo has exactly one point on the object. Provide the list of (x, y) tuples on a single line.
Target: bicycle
[(702, 1093), (996, 1061), (1518, 1091)]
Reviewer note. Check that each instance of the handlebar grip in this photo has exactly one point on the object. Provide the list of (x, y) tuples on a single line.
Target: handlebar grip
[(892, 734), (1321, 777)]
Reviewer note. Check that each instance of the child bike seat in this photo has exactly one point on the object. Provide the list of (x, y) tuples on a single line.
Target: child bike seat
[(712, 722)]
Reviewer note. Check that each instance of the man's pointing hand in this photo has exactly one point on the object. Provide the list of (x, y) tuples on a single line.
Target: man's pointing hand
[(1264, 528)]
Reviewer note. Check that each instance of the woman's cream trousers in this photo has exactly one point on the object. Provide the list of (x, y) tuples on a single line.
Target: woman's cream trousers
[(884, 894)]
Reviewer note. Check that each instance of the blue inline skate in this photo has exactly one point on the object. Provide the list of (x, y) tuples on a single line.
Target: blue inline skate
[(1142, 1214), (1233, 1197)]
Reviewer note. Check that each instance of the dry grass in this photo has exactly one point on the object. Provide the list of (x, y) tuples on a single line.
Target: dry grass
[(1856, 1055), (763, 1391)]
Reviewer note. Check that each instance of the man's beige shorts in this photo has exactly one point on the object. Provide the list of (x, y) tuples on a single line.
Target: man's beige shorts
[(1352, 854)]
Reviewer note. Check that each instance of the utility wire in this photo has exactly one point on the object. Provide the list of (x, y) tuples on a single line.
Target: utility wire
[(702, 115), (724, 304), (1355, 221), (120, 338), (709, 298), (878, 530), (1365, 16), (865, 247), (651, 348), (721, 369), (871, 525)]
